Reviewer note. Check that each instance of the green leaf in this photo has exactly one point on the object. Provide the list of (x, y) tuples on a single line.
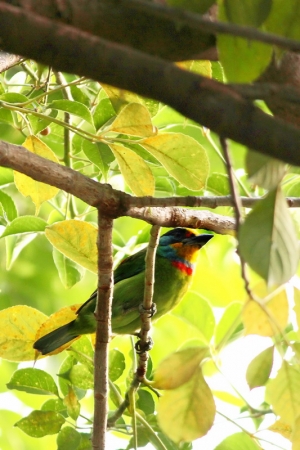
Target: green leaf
[(182, 156), (283, 393), (73, 107), (25, 224), (229, 322), (54, 404), (135, 171), (258, 371), (196, 6), (264, 171), (13, 97), (116, 364), (268, 241), (99, 154), (41, 423), (68, 438), (104, 111), (69, 272), (33, 381), (81, 377), (145, 402), (249, 12), (14, 245), (284, 18), (218, 184), (72, 404), (6, 176), (179, 410), (238, 441), (204, 320), (84, 352), (8, 206), (243, 60)]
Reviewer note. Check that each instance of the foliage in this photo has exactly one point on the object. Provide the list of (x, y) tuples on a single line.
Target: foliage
[(145, 148)]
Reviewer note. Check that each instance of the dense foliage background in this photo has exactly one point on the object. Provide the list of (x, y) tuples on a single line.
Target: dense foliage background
[(236, 337)]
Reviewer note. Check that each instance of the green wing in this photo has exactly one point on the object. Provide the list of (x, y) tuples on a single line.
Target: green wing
[(130, 266)]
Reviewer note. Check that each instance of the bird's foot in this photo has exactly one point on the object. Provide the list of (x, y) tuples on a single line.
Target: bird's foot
[(142, 347), (150, 311)]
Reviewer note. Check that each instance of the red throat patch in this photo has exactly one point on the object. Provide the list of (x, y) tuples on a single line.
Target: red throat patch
[(182, 267)]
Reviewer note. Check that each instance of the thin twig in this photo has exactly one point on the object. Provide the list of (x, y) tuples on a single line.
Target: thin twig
[(237, 208), (147, 303)]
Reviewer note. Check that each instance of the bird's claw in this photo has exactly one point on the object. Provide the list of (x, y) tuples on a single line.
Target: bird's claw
[(150, 311), (142, 347)]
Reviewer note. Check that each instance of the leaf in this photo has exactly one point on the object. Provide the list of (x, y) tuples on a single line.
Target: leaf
[(14, 245), (103, 113), (135, 171), (238, 441), (268, 241), (204, 320), (68, 438), (134, 119), (33, 381), (18, 326), (6, 176), (9, 207), (73, 107), (229, 398), (284, 19), (264, 171), (41, 423), (243, 60), (72, 404), (259, 369), (99, 154), (297, 307), (25, 224), (120, 98), (145, 402), (283, 393), (54, 404), (76, 240), (179, 410), (116, 364), (282, 428), (39, 192), (201, 67), (296, 435), (81, 377), (179, 367), (182, 156), (271, 317), (69, 272), (56, 320), (228, 323)]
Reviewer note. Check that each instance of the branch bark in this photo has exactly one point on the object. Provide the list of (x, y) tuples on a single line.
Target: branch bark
[(65, 48), (103, 332)]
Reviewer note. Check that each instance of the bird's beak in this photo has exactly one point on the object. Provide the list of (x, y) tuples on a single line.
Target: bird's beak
[(198, 241)]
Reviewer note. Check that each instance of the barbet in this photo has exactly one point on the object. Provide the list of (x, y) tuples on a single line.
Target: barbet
[(176, 257)]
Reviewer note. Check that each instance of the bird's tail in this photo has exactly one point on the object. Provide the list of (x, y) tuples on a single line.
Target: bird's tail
[(55, 339)]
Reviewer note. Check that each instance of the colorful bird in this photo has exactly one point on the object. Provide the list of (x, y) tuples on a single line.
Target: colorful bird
[(175, 262)]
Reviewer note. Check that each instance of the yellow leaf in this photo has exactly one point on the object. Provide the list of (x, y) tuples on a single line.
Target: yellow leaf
[(56, 320), (18, 326), (297, 308), (188, 412), (134, 119), (182, 156), (296, 434), (135, 171), (271, 317), (282, 428), (179, 367), (202, 67), (283, 393), (76, 240), (39, 192), (229, 398)]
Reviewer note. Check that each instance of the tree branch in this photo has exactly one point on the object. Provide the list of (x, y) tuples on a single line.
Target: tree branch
[(71, 50), (103, 332)]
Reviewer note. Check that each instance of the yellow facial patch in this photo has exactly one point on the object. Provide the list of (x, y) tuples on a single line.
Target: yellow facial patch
[(187, 252)]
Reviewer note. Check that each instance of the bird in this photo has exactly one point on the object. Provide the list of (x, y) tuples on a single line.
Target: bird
[(175, 263)]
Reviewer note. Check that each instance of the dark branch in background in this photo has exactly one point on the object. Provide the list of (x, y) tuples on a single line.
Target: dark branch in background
[(103, 332), (71, 50)]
